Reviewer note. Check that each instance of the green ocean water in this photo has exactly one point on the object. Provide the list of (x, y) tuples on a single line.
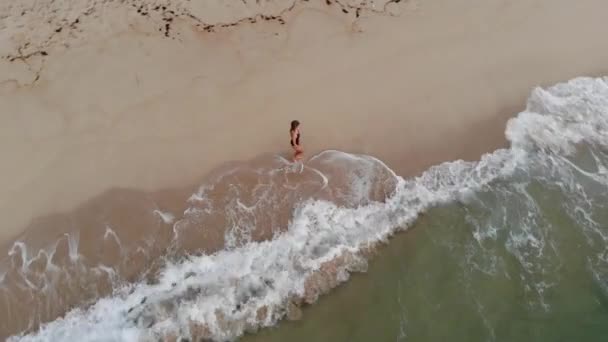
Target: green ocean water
[(465, 272)]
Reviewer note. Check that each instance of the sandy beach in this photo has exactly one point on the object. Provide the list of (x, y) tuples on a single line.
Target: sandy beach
[(151, 96), (123, 106)]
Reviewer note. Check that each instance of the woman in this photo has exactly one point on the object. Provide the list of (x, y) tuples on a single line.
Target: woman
[(294, 132)]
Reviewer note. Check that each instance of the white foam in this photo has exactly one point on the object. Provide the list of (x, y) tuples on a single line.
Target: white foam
[(19, 249), (167, 217), (110, 233), (226, 291)]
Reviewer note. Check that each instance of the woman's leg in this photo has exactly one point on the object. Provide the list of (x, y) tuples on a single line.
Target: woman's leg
[(298, 154)]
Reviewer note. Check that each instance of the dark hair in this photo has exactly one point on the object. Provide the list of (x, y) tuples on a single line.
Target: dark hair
[(295, 124)]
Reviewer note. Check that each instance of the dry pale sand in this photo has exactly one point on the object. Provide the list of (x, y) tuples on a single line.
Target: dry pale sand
[(150, 94)]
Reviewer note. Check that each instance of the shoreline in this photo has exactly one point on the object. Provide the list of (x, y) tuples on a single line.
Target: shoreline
[(83, 129), (93, 130), (174, 199), (330, 236)]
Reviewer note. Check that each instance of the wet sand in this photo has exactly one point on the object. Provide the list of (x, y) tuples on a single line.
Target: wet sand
[(135, 102)]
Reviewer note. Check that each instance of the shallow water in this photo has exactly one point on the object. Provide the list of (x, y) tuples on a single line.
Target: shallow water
[(512, 247)]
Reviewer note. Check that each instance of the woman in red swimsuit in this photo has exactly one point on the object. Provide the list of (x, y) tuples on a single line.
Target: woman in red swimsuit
[(294, 133)]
